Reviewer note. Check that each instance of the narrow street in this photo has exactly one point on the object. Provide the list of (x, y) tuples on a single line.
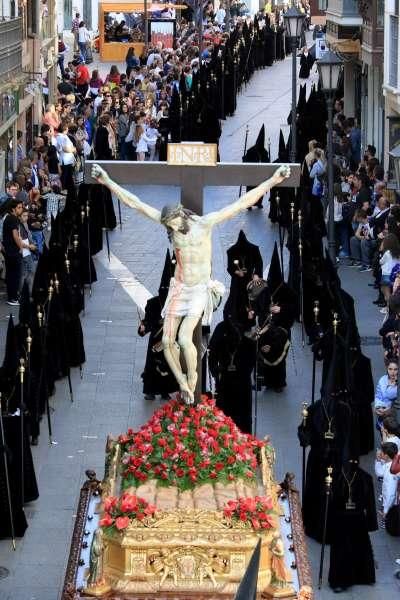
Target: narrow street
[(108, 398)]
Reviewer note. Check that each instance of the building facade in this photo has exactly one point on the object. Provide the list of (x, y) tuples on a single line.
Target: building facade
[(88, 10), (343, 33), (28, 73), (391, 80), (372, 100)]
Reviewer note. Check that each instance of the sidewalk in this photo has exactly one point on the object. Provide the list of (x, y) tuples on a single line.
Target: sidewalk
[(108, 398)]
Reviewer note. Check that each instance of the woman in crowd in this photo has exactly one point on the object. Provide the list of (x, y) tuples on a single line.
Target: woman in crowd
[(95, 83), (390, 249), (386, 393)]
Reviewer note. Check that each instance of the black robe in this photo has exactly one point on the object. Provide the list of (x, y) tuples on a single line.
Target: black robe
[(351, 557), (157, 376), (12, 431), (250, 259), (275, 376), (231, 361), (323, 453), (306, 62)]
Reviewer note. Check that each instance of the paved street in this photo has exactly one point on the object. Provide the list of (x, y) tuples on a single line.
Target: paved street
[(108, 398)]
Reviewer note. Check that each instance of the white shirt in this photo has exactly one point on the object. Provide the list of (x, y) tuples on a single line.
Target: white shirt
[(63, 145), (83, 35), (97, 102), (387, 262), (393, 439), (389, 484)]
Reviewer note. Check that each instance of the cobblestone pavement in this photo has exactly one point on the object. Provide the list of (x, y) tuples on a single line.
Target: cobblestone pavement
[(108, 398)]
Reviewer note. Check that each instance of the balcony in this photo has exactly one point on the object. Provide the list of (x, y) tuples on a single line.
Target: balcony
[(372, 13), (10, 47)]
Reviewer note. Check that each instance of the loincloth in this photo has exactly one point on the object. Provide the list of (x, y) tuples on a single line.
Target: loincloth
[(193, 300)]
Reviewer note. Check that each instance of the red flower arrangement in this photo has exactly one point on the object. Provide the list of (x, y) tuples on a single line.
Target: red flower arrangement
[(187, 446), (253, 511), (119, 512)]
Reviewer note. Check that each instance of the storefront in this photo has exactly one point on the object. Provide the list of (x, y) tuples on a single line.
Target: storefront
[(121, 25)]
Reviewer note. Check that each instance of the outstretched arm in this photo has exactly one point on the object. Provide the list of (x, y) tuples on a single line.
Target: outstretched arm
[(127, 197), (248, 199)]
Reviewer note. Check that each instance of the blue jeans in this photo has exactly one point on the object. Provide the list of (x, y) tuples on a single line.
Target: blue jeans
[(343, 237), (82, 50), (361, 250)]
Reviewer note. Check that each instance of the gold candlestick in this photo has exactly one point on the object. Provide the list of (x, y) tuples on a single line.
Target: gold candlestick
[(316, 311), (21, 369), (304, 413), (40, 316), (335, 322), (28, 341)]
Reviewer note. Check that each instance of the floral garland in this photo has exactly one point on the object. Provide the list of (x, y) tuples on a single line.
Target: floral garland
[(256, 512), (119, 512), (187, 446)]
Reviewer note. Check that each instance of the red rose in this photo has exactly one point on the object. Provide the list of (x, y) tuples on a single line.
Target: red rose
[(122, 522), (242, 516), (213, 475), (180, 472), (219, 466), (140, 516), (106, 521), (231, 460), (129, 503), (156, 429), (255, 523), (109, 503)]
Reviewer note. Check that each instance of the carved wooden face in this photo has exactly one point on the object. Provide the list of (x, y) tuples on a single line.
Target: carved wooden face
[(176, 224)]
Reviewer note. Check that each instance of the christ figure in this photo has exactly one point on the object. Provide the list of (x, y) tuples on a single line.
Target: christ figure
[(191, 289)]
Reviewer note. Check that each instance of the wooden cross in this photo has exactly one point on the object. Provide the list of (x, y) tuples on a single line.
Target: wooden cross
[(192, 179)]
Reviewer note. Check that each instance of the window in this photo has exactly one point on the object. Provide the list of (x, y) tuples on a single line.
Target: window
[(380, 13), (394, 49)]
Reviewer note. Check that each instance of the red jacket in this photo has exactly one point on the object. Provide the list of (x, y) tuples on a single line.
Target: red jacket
[(82, 75)]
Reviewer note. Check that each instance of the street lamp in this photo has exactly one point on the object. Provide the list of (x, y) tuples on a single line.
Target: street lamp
[(329, 69), (395, 156), (293, 19)]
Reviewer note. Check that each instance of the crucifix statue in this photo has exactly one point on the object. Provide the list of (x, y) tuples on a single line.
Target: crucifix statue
[(191, 291)]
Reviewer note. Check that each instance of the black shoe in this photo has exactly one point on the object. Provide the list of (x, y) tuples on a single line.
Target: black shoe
[(165, 397), (378, 301), (149, 397), (34, 441), (249, 208), (381, 304)]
